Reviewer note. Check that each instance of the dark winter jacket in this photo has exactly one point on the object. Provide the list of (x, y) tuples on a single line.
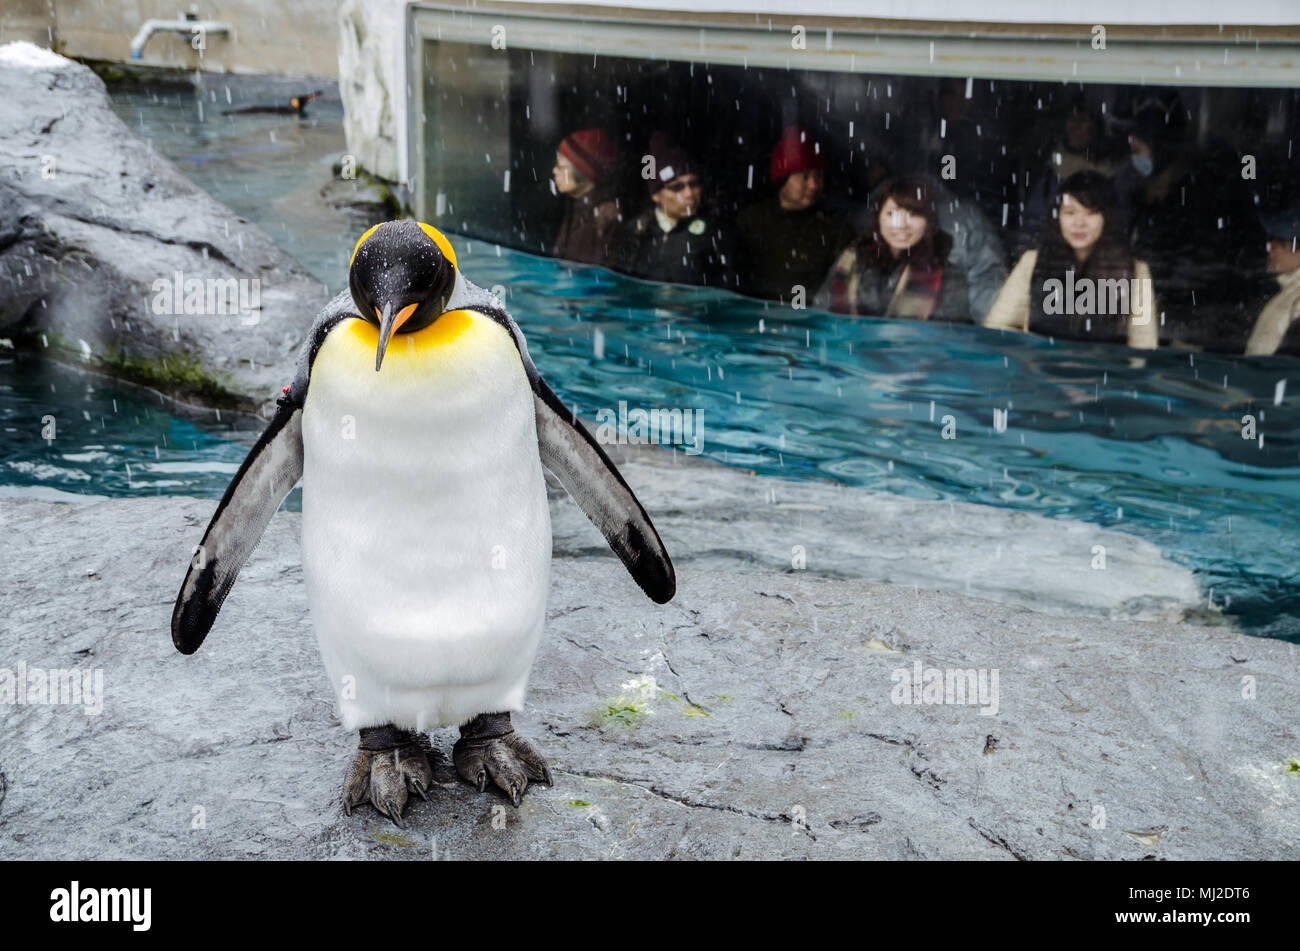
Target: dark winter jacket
[(589, 231), (783, 249), (699, 250)]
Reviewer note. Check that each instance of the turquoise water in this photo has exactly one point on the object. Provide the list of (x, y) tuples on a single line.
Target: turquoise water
[(1149, 445)]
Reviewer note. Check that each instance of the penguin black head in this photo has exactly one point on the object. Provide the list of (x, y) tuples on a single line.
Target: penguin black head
[(402, 275), (299, 103)]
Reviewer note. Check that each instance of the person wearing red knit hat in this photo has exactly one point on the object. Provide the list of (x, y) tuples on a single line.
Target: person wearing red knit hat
[(797, 153), (790, 239), (584, 168)]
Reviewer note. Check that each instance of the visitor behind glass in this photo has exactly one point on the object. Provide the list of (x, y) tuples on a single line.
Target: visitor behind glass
[(1193, 219), (679, 238), (1076, 149), (584, 166), (1277, 329), (900, 268), (976, 249), (1082, 282), (790, 239)]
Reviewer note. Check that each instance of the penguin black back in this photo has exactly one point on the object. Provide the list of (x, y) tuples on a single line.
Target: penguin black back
[(297, 106)]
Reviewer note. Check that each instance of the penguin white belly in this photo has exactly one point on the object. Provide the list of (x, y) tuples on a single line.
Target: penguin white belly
[(426, 535)]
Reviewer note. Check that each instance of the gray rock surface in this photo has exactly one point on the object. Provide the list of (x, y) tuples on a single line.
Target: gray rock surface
[(91, 217), (752, 717), (728, 519)]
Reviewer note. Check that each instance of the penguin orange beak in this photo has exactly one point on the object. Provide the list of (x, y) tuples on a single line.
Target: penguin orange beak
[(388, 324)]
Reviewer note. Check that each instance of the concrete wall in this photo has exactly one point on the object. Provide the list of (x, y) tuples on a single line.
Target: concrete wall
[(30, 20), (372, 83), (1086, 12), (293, 39)]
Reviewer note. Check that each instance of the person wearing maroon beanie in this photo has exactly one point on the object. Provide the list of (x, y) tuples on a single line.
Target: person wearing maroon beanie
[(679, 238), (790, 240), (584, 167)]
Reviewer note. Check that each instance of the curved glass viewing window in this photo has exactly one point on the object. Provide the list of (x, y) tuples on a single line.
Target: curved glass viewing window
[(1183, 136)]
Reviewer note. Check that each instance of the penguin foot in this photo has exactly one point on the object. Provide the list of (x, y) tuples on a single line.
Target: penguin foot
[(489, 748), (387, 762)]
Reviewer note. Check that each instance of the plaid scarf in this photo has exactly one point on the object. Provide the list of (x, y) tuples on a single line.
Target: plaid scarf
[(916, 290)]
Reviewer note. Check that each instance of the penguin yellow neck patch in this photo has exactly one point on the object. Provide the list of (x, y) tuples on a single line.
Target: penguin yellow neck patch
[(445, 330)]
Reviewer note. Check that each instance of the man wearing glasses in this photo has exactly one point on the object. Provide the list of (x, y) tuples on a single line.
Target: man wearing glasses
[(678, 239)]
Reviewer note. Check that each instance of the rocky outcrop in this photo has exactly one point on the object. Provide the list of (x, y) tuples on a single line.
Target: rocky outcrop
[(110, 257), (758, 715), (361, 194)]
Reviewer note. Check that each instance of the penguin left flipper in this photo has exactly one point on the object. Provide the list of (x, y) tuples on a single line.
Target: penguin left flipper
[(587, 473), (582, 467)]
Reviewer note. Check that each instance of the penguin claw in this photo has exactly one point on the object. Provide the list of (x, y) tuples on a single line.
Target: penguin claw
[(508, 760), (394, 812), (356, 781), (413, 765), (388, 785), (382, 778)]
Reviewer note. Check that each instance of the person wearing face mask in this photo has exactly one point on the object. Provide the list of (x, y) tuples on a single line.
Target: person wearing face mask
[(1192, 217), (1277, 329), (1082, 282), (790, 239), (584, 165), (900, 267), (679, 239)]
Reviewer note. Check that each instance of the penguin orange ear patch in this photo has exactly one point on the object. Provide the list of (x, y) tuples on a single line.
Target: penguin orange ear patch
[(360, 241), (443, 244)]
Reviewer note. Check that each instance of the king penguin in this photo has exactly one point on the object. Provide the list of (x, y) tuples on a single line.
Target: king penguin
[(419, 428)]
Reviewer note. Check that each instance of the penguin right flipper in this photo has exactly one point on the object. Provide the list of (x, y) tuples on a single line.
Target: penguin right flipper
[(269, 472)]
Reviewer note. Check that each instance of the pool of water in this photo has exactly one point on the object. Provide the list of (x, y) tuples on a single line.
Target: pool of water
[(268, 168), (1153, 445)]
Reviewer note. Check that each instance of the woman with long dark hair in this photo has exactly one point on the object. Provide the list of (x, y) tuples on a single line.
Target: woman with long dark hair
[(900, 268), (1082, 282)]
